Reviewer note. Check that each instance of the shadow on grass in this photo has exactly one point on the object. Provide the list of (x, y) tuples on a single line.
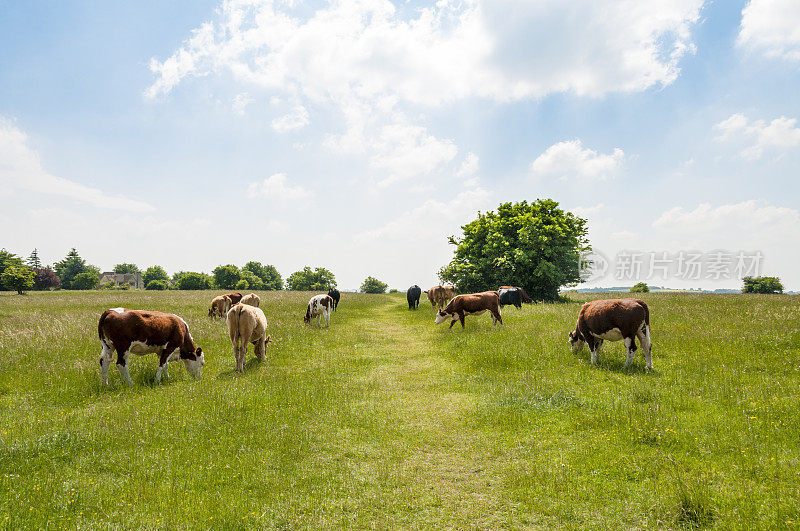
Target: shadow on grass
[(614, 364), (250, 365)]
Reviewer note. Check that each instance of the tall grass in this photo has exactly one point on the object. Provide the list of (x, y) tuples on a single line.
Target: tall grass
[(385, 420)]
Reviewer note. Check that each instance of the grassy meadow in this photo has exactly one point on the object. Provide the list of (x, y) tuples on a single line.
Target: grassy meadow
[(385, 420)]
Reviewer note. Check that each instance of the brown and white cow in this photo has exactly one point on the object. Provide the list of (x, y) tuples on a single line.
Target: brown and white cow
[(471, 304), (252, 299), (247, 324), (219, 306), (612, 320), (319, 306), (439, 296), (142, 332)]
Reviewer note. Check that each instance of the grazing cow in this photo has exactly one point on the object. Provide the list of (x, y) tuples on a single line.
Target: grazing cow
[(413, 294), (334, 294), (612, 320), (513, 295), (319, 306), (471, 304), (234, 297), (440, 295), (219, 306), (252, 299), (141, 332), (247, 324)]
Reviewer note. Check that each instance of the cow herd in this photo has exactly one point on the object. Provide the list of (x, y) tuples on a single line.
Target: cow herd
[(141, 332)]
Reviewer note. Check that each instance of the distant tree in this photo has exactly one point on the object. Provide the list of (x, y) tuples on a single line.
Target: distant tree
[(45, 279), (7, 259), (394, 290), (762, 285), (18, 277), (253, 281), (641, 287), (373, 285), (191, 281), (155, 273), (126, 268), (157, 284), (70, 267), (319, 279), (85, 280), (269, 276), (33, 260), (534, 245), (227, 276)]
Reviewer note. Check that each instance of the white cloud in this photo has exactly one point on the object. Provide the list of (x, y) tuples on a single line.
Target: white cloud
[(772, 27), (406, 151), (760, 135), (21, 169), (240, 103), (623, 235), (297, 119), (570, 159), (450, 50), (275, 187), (469, 167), (587, 211), (748, 217)]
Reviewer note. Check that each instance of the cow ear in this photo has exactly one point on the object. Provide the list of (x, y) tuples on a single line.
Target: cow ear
[(198, 352)]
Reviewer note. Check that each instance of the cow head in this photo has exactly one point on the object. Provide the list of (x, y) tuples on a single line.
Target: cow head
[(441, 316), (194, 361), (576, 340)]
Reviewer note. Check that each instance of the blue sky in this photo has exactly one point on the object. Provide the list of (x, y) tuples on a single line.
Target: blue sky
[(358, 134)]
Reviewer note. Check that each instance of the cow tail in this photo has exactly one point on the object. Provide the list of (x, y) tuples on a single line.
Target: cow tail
[(100, 325)]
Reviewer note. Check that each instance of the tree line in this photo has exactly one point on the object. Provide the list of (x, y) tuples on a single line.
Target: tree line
[(74, 273)]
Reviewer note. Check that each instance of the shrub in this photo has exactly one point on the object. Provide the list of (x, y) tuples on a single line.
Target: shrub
[(157, 285), (319, 279), (762, 285), (18, 277), (155, 273), (270, 278), (242, 285), (373, 285), (227, 276), (641, 287), (45, 279), (192, 281), (86, 280)]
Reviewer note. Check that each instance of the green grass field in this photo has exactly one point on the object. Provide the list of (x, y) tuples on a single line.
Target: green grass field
[(385, 421)]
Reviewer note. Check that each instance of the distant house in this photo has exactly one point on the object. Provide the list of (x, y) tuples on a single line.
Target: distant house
[(134, 279)]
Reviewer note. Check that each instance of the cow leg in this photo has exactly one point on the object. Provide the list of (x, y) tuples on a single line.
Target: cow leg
[(461, 318), (261, 347), (595, 350), (105, 362), (497, 318), (122, 367), (327, 319), (644, 339)]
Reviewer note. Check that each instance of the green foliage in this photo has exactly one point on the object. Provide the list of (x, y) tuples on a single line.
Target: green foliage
[(7, 260), (242, 285), (18, 277), (536, 246), (373, 285), (188, 280), (155, 273), (270, 278), (33, 260), (157, 284), (45, 279), (85, 280), (641, 287), (126, 268), (394, 290), (73, 265), (762, 285), (253, 281), (318, 279), (226, 277)]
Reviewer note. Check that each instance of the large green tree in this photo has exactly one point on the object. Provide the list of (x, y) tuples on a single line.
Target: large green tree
[(7, 259), (373, 285), (534, 245), (270, 278), (227, 276), (18, 277), (33, 260), (190, 280), (154, 273), (86, 280), (70, 267), (126, 268), (318, 279), (762, 285)]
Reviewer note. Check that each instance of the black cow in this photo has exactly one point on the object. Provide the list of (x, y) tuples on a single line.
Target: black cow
[(413, 294), (513, 295), (334, 294)]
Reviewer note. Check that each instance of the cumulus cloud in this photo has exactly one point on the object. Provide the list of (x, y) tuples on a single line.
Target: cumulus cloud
[(405, 151), (469, 167), (446, 51), (772, 27), (748, 217), (240, 103), (296, 119), (570, 159), (276, 187), (759, 136), (20, 168)]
